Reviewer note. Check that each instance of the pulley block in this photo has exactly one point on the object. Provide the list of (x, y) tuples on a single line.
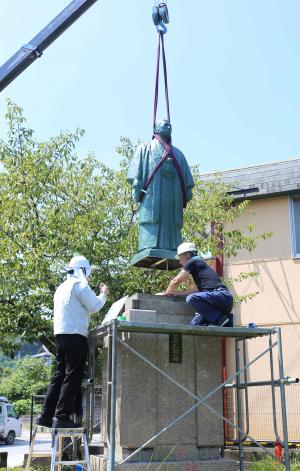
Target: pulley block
[(164, 13), (160, 14)]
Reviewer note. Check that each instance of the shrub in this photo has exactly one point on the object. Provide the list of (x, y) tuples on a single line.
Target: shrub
[(23, 407), (269, 464), (30, 376)]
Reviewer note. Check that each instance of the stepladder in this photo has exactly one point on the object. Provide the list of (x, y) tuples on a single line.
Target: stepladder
[(58, 438)]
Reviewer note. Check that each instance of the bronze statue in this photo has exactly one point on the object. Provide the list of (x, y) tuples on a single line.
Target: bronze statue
[(162, 182)]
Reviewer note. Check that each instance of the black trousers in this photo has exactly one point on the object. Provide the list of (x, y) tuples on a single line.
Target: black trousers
[(65, 384)]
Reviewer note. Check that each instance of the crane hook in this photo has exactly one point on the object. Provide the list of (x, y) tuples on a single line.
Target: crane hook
[(160, 17)]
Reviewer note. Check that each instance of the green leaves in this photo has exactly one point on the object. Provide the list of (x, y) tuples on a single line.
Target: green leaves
[(55, 205), (30, 376), (211, 210)]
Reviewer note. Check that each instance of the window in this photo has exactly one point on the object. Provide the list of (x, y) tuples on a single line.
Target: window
[(295, 225), (11, 412)]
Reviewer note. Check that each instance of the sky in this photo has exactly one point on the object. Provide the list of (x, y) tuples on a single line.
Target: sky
[(233, 69)]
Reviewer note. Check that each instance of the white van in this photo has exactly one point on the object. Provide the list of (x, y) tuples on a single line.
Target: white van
[(10, 424)]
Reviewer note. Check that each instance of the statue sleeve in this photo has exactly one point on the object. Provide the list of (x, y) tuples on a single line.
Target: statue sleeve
[(135, 173), (189, 184), (188, 177)]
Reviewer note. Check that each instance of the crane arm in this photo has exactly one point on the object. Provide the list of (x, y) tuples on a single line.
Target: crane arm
[(34, 49)]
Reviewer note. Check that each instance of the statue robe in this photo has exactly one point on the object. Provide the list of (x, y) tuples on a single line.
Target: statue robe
[(161, 210)]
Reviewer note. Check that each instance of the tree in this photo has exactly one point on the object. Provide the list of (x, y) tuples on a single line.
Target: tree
[(55, 205), (29, 376), (6, 362), (213, 207)]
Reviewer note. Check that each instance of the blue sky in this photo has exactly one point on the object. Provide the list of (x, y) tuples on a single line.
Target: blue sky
[(233, 65)]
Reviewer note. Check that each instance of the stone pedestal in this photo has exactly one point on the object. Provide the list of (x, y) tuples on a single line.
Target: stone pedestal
[(147, 401)]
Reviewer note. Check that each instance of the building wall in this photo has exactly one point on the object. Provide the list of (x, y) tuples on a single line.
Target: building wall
[(278, 300)]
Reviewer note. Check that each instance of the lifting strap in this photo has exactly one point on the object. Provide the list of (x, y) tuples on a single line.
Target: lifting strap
[(167, 153), (161, 47)]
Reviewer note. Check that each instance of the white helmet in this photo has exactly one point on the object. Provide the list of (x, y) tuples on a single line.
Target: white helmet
[(78, 262), (185, 247)]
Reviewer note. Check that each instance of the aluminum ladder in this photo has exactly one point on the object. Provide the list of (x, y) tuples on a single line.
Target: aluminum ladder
[(58, 434)]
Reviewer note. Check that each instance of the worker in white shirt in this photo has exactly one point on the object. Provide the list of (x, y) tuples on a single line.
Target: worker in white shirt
[(74, 302)]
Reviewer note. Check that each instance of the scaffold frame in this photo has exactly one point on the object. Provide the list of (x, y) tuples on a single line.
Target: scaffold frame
[(240, 336)]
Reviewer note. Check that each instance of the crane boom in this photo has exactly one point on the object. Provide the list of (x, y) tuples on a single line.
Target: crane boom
[(34, 49)]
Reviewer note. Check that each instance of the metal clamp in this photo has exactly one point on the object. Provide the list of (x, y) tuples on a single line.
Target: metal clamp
[(288, 380), (34, 49)]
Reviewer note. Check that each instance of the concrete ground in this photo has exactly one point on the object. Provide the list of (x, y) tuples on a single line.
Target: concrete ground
[(20, 447)]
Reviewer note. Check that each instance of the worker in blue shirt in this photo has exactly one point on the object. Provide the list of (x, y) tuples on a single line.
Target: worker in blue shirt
[(209, 297)]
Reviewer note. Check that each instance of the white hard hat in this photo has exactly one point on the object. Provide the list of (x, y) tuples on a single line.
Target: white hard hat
[(79, 262), (185, 247)]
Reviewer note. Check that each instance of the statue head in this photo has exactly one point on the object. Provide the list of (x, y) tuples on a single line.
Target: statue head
[(164, 128)]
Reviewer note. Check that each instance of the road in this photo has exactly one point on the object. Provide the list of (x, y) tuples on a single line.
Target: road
[(20, 447)]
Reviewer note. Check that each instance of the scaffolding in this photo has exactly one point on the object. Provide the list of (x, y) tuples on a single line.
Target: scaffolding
[(260, 415), (237, 381)]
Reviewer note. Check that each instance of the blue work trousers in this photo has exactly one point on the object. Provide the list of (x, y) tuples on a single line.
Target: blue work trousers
[(210, 306)]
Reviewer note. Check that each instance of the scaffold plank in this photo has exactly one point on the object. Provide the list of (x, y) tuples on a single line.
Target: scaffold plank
[(154, 328)]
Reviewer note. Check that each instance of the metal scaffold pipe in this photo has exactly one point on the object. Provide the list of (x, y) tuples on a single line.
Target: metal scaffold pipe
[(283, 401)]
